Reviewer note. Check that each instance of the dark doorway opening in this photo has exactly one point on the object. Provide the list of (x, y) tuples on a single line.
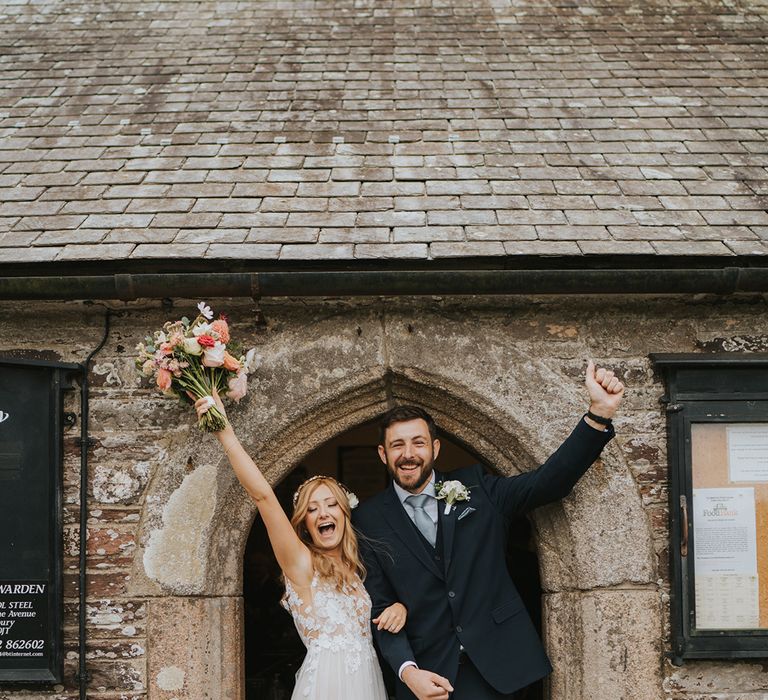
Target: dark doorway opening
[(273, 650)]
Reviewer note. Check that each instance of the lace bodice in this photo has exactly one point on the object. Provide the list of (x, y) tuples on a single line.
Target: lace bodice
[(338, 621)]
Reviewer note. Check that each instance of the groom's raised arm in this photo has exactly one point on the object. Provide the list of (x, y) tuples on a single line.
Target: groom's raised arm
[(555, 479)]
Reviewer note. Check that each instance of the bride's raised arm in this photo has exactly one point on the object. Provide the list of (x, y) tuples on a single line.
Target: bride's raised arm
[(292, 554)]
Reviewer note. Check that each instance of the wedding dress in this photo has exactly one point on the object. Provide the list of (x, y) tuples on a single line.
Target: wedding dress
[(335, 626)]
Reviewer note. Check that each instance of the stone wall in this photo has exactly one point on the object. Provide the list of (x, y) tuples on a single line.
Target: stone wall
[(168, 522)]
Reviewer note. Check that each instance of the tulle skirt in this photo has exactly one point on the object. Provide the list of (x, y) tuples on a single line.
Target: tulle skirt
[(327, 674)]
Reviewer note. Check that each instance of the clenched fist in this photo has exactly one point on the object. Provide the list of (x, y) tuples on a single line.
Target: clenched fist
[(605, 392)]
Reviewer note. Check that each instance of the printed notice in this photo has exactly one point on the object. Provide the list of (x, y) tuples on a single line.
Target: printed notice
[(748, 451), (23, 621), (725, 542), (729, 601)]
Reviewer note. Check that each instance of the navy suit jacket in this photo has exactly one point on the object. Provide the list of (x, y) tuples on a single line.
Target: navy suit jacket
[(460, 594)]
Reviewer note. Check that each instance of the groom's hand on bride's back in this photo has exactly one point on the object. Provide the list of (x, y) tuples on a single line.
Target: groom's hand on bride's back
[(426, 685)]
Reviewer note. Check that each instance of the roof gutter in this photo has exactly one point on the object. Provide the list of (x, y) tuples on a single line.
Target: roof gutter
[(127, 287)]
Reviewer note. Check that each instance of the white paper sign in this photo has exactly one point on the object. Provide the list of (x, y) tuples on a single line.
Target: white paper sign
[(728, 601), (724, 531), (748, 451), (725, 565)]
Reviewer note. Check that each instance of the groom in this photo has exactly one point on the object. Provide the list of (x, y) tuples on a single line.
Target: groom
[(467, 631)]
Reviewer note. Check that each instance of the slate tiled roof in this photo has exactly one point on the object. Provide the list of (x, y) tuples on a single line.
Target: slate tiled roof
[(379, 129)]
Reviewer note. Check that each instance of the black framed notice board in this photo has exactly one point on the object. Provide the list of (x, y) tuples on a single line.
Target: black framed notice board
[(717, 422), (31, 395)]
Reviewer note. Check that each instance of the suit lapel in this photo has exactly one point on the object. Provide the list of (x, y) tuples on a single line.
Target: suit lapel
[(448, 523), (401, 525)]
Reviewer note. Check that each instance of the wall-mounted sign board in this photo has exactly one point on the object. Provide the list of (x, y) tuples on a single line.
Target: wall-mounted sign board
[(717, 421), (30, 520)]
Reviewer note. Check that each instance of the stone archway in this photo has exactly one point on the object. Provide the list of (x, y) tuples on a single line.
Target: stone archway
[(601, 607)]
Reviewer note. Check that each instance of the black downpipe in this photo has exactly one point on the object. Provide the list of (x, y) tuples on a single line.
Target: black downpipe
[(85, 444)]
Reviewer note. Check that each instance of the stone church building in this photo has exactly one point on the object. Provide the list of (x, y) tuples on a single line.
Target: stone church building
[(452, 203)]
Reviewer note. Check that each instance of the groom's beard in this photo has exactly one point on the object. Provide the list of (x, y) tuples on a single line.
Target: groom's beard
[(423, 476)]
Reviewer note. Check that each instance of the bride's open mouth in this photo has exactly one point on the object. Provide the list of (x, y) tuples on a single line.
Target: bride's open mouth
[(326, 529)]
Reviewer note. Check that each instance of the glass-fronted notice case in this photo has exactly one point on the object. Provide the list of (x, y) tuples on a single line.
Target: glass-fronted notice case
[(717, 410)]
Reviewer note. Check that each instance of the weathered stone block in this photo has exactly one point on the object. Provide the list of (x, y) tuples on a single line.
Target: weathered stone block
[(618, 632), (195, 649)]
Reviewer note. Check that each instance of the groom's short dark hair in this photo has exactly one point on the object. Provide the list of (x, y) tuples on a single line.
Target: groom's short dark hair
[(400, 414)]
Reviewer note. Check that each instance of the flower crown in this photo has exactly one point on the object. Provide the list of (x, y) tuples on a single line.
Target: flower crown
[(351, 497)]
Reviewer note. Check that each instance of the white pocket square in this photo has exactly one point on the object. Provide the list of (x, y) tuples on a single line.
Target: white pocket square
[(466, 512)]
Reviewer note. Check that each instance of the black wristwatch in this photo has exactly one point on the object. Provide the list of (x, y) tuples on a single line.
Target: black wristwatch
[(599, 419)]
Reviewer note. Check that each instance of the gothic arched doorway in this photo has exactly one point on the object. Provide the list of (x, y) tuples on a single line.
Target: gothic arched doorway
[(273, 650)]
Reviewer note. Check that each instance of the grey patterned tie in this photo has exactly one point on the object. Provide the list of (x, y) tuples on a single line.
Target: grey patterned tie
[(421, 518)]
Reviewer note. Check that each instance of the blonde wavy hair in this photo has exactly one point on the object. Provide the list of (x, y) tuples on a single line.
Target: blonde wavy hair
[(329, 567)]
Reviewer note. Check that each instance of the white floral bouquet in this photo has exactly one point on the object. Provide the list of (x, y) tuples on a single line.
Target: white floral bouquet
[(192, 357)]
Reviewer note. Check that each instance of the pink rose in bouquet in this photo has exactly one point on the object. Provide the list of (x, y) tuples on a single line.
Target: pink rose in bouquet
[(214, 356), (231, 363), (164, 379), (194, 357), (206, 341), (238, 385)]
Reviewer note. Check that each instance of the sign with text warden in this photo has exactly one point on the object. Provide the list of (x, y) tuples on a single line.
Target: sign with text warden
[(30, 521)]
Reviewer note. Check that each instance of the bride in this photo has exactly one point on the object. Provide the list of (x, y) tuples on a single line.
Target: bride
[(317, 553)]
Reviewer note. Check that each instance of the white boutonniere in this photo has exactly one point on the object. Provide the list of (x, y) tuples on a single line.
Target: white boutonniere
[(451, 492)]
